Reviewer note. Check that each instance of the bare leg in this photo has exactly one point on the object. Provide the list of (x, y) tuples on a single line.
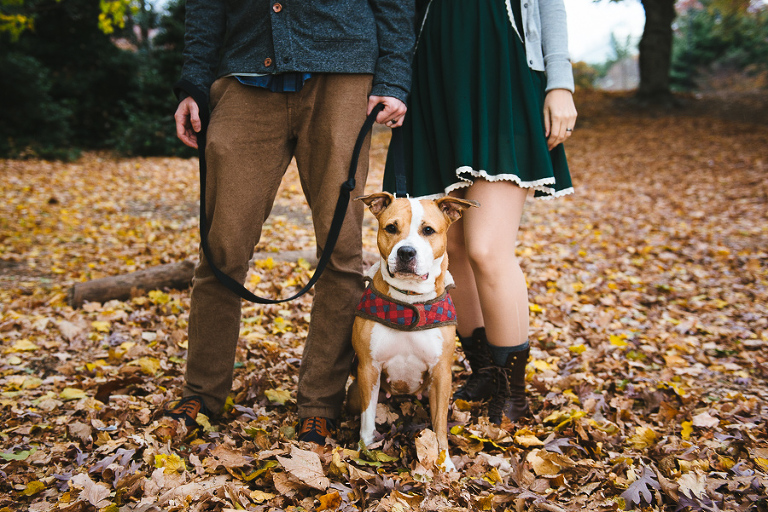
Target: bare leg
[(490, 285)]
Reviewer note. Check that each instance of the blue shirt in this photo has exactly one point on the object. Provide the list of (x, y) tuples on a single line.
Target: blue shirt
[(282, 82)]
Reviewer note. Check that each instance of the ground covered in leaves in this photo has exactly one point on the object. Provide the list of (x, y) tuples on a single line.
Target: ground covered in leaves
[(649, 328)]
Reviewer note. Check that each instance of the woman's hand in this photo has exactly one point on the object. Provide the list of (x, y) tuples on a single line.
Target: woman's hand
[(559, 116), (393, 113)]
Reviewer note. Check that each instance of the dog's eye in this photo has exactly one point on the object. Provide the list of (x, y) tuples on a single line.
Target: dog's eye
[(427, 230), (391, 229)]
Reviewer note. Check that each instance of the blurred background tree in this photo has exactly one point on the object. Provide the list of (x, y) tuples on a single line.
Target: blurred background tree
[(81, 75), (715, 44), (720, 44), (78, 74)]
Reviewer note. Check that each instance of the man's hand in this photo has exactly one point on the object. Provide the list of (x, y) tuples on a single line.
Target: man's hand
[(188, 123), (393, 113), (559, 116)]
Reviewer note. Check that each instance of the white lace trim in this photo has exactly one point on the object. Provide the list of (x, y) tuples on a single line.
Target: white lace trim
[(512, 18), (537, 185)]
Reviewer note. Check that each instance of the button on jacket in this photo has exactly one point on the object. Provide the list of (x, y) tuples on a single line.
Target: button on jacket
[(318, 36)]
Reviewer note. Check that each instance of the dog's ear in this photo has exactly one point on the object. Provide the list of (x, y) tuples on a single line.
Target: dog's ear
[(377, 202), (453, 207)]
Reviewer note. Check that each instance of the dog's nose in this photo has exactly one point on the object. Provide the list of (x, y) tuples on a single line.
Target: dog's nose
[(406, 253)]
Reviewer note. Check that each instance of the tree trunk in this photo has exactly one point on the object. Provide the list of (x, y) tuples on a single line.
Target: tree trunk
[(656, 51)]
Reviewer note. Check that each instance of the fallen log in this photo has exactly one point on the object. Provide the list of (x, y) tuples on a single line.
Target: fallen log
[(172, 275), (176, 275)]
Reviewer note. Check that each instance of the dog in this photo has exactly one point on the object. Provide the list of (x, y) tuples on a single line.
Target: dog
[(405, 325)]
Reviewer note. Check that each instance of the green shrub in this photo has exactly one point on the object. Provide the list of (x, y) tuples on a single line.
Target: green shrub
[(34, 124)]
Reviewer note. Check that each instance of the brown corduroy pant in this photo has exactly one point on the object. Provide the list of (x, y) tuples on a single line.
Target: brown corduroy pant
[(252, 137)]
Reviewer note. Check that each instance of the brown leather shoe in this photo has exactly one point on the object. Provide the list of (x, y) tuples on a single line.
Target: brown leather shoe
[(186, 409), (316, 429), (509, 398)]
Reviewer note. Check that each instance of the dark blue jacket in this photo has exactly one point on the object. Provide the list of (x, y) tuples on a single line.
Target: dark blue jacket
[(318, 36)]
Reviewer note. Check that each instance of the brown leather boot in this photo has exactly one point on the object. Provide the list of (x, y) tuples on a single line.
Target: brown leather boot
[(479, 384), (509, 398)]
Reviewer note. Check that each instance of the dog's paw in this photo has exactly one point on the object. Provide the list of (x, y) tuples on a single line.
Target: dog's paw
[(367, 438), (444, 462)]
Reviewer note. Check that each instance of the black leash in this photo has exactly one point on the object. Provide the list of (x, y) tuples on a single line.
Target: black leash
[(398, 162), (338, 216)]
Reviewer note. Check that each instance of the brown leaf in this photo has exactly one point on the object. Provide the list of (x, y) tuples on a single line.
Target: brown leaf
[(306, 467)]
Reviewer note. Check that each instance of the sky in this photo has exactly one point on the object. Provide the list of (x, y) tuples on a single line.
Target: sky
[(590, 25)]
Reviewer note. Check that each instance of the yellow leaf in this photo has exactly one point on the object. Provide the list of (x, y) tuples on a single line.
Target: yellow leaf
[(570, 394), (72, 394), (644, 437), (280, 325), (726, 462), (33, 488), (675, 360), (617, 341), (485, 502), (762, 463), (96, 364), (158, 297), (535, 308), (548, 463), (148, 365), (541, 365), (100, 326), (563, 418), (24, 346), (677, 389), (14, 360), (261, 496), (32, 383), (267, 264), (330, 501), (493, 476), (577, 349), (278, 396), (526, 438), (171, 463), (687, 430), (304, 264), (338, 467), (462, 405), (577, 287)]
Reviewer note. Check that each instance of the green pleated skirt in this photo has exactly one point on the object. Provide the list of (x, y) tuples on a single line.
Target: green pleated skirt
[(475, 109)]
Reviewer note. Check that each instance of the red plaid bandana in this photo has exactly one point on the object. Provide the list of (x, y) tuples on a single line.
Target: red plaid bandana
[(404, 316)]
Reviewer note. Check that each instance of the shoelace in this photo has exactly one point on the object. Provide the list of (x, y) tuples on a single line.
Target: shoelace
[(499, 400), (317, 424), (314, 423), (188, 406), (475, 381)]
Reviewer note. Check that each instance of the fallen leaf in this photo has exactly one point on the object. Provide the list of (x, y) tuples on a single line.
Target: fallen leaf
[(306, 467), (94, 493)]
